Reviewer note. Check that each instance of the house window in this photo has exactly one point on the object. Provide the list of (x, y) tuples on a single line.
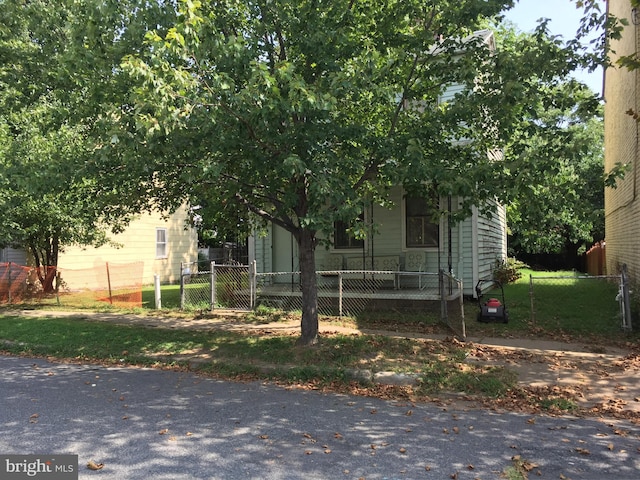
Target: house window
[(342, 238), (421, 229), (161, 243)]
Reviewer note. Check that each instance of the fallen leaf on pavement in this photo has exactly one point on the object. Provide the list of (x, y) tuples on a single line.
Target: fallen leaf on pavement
[(91, 465)]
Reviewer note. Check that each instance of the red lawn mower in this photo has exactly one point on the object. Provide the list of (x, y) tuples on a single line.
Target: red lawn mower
[(493, 310)]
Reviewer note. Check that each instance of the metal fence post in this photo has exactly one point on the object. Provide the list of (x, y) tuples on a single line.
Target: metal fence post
[(461, 297), (156, 289), (9, 293), (340, 293), (253, 285), (532, 315), (182, 299), (444, 315), (626, 301), (212, 280)]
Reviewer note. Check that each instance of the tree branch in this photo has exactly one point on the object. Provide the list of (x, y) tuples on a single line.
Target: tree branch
[(372, 169), (285, 223)]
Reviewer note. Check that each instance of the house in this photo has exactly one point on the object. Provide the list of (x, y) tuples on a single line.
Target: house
[(14, 255), (622, 146), (160, 245), (151, 245), (404, 239)]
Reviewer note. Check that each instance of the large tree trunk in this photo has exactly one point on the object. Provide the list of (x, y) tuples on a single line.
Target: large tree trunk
[(46, 260), (309, 322)]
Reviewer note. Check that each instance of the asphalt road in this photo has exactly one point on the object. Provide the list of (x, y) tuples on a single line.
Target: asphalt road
[(153, 424)]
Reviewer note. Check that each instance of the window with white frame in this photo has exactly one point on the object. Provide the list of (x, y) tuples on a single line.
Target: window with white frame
[(422, 231), (161, 243)]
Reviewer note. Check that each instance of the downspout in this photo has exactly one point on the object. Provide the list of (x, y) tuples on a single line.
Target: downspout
[(450, 253), (474, 249)]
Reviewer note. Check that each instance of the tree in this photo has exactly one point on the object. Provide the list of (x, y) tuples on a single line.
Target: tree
[(46, 205), (557, 149), (58, 74), (563, 211), (302, 112)]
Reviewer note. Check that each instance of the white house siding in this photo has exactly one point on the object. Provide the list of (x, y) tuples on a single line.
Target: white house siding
[(450, 92), (491, 241), (466, 265), (261, 244), (138, 244), (387, 238), (476, 244)]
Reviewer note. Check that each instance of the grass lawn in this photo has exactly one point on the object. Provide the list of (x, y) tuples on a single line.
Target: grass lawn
[(562, 305), (571, 307), (437, 365)]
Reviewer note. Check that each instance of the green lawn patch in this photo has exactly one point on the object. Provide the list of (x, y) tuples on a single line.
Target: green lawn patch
[(438, 365), (555, 303)]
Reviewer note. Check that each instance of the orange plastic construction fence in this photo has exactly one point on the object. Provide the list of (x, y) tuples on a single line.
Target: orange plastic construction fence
[(16, 282), (118, 284)]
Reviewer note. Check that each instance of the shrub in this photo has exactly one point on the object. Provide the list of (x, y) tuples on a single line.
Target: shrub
[(507, 271)]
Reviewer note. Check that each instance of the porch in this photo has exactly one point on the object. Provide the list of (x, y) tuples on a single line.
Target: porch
[(349, 292), (340, 292)]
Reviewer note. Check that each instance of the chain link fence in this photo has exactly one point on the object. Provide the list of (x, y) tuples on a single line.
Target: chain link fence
[(340, 293), (579, 304), (222, 286)]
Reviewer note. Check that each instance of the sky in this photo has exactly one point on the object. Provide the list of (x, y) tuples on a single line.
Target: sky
[(565, 19)]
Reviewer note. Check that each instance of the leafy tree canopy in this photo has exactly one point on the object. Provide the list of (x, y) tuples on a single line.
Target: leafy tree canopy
[(299, 112), (58, 73), (303, 111)]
